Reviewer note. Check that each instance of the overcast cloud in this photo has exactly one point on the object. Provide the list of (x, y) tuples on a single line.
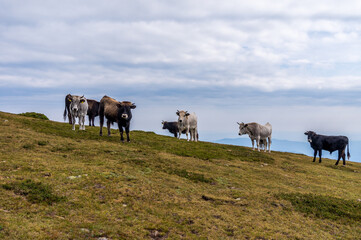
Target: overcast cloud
[(295, 64)]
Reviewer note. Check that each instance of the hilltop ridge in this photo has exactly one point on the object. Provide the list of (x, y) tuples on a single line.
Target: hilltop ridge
[(62, 184)]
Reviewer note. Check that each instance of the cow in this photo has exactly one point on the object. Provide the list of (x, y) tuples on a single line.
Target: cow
[(114, 111), (187, 122), (67, 108), (172, 127), (78, 109), (93, 110), (328, 143), (257, 132)]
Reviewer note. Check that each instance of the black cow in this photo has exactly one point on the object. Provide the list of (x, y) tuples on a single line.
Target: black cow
[(329, 143), (67, 108), (172, 127), (93, 110), (114, 111)]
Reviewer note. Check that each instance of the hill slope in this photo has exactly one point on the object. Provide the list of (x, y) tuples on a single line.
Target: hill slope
[(62, 184)]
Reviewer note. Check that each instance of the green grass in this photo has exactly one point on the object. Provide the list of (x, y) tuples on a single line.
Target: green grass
[(34, 115), (34, 192), (321, 206), (64, 184)]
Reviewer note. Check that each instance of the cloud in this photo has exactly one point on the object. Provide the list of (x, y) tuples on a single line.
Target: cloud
[(228, 57)]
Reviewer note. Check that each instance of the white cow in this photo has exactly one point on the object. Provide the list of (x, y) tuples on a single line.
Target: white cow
[(257, 132), (78, 109), (188, 122)]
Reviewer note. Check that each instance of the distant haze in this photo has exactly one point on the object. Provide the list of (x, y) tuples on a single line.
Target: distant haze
[(296, 147)]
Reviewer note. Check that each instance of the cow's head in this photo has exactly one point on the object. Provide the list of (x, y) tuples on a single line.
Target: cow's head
[(242, 128), (164, 123), (75, 102), (125, 109), (182, 116), (310, 134)]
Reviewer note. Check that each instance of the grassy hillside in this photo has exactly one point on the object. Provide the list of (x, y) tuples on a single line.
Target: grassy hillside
[(56, 183)]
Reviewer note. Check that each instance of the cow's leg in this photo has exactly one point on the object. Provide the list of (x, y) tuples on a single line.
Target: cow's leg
[(314, 156), (344, 157), (196, 134), (175, 134), (101, 122), (257, 141), (320, 154), (121, 133), (83, 122), (338, 157), (252, 143), (187, 132), (127, 132), (108, 127), (269, 144), (70, 117), (179, 134), (265, 144), (90, 120), (73, 122), (93, 118)]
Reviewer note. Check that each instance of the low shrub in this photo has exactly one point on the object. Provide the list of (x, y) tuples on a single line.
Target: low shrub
[(324, 206), (34, 115), (34, 192)]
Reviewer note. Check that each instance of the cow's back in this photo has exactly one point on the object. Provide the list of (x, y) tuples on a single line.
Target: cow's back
[(192, 120), (93, 107), (332, 143), (108, 107)]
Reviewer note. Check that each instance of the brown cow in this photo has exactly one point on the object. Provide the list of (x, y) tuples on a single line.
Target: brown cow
[(67, 108), (93, 110), (115, 111)]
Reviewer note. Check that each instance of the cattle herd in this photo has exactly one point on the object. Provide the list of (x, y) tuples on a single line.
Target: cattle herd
[(120, 112)]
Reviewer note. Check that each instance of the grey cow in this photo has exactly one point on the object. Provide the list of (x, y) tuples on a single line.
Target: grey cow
[(257, 132), (78, 109), (188, 122)]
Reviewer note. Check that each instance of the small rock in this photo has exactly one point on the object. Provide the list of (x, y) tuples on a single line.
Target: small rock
[(85, 230), (47, 174), (359, 200), (5, 121), (102, 238), (238, 199), (125, 205)]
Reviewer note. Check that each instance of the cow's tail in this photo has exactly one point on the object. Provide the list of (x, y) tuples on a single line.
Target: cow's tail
[(348, 152), (64, 115)]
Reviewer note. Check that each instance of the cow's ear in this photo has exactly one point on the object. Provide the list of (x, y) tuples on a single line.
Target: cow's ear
[(246, 125), (187, 114), (238, 123), (133, 106), (306, 133), (177, 112)]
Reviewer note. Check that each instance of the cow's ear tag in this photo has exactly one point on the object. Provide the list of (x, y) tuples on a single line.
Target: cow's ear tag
[(82, 101), (69, 100)]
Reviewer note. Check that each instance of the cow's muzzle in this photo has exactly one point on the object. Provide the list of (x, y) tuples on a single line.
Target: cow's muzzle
[(125, 116), (310, 140)]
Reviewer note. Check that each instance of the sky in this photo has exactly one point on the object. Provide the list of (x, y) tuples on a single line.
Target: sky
[(295, 64)]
